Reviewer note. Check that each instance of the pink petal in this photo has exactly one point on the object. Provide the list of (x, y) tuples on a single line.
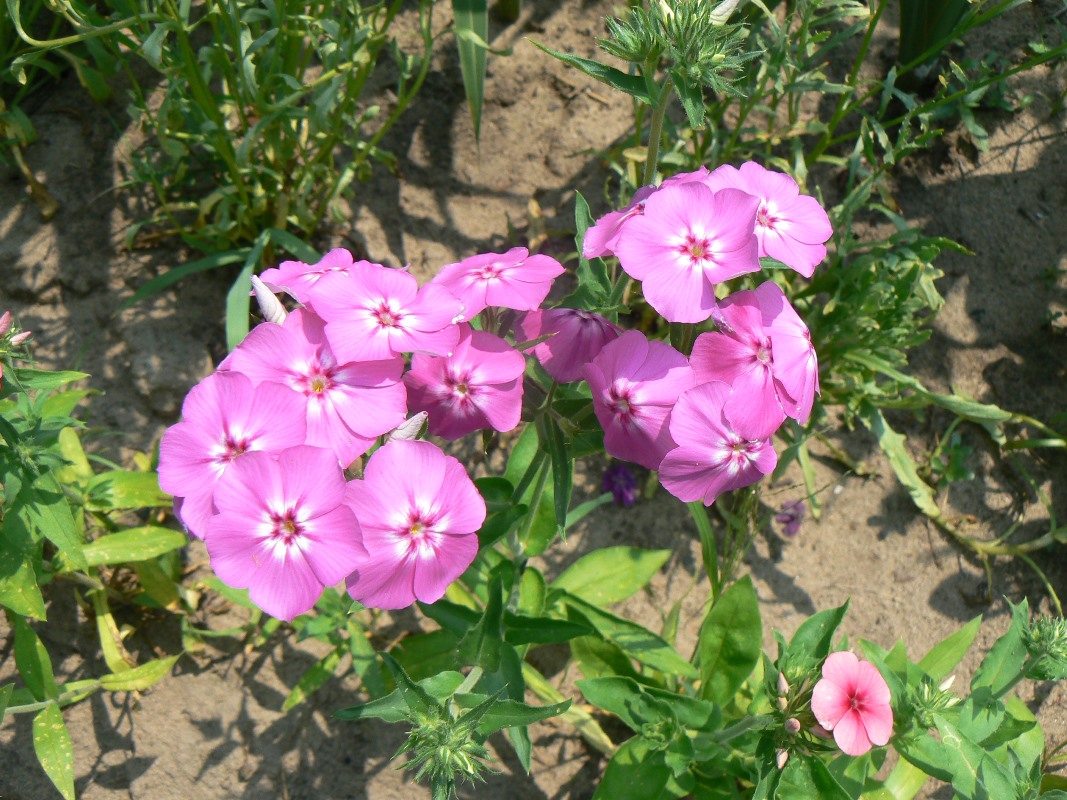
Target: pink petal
[(439, 566), (804, 220), (251, 484), (312, 481), (462, 507), (686, 473), (829, 703), (841, 668), (235, 548), (870, 685), (803, 258), (284, 586), (850, 734), (753, 409), (878, 722), (334, 546)]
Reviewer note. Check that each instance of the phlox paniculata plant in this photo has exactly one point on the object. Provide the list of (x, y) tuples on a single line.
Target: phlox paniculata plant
[(262, 463)]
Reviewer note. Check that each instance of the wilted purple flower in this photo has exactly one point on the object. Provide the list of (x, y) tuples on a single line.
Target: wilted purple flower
[(790, 517), (621, 482)]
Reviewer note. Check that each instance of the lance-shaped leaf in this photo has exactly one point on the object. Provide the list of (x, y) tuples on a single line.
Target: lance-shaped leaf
[(51, 743), (611, 574), (730, 643)]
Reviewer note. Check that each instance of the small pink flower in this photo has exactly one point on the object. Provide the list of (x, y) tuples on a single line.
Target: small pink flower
[(635, 384), (791, 227), (852, 700), (380, 312), (764, 352), (711, 457), (296, 278), (420, 513), (478, 387), (514, 279), (577, 338), (283, 530), (688, 240), (348, 405), (223, 417), (601, 238)]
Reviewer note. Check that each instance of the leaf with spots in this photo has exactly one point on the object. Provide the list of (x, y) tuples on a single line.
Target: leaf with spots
[(51, 742)]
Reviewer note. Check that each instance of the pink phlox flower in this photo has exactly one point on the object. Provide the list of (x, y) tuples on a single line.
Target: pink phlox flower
[(514, 279), (601, 237), (711, 457), (379, 312), (790, 227), (223, 417), (296, 278), (763, 351), (478, 387), (348, 405), (576, 338), (635, 384), (688, 240), (853, 701), (283, 530), (420, 513)]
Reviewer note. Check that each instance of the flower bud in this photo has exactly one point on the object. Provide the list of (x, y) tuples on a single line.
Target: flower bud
[(269, 305), (780, 757), (723, 11), (792, 726), (5, 323), (820, 732), (408, 430), (783, 684), (19, 338)]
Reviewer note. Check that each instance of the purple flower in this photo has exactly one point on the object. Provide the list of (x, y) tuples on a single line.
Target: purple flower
[(619, 479), (790, 517)]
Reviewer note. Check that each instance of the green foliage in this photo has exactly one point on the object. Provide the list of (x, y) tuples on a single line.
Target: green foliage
[(62, 521)]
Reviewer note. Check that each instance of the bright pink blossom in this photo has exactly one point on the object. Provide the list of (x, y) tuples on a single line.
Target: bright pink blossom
[(791, 227), (852, 700), (379, 312), (283, 530), (577, 337), (688, 240), (601, 238), (711, 457), (635, 384), (296, 278), (478, 387), (763, 351), (348, 405), (223, 417), (514, 279), (420, 513)]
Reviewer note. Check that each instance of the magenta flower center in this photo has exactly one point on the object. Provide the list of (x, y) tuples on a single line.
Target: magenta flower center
[(285, 527), (387, 316), (620, 402), (765, 216), (490, 272), (697, 248), (233, 446), (459, 387)]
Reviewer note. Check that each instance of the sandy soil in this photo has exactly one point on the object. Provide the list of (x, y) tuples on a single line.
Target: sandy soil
[(214, 728)]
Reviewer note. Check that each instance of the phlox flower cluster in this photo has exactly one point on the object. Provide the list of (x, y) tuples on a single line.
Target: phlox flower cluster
[(260, 464), (706, 421)]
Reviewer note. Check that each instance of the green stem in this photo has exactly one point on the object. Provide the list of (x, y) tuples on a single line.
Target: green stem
[(708, 546), (64, 699), (655, 132)]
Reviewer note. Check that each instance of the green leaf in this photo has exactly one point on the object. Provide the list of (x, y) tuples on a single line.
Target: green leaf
[(635, 640), (635, 772), (521, 630), (806, 777), (532, 592), (692, 98), (730, 642), (33, 662), (393, 708), (562, 461), (594, 284), (815, 635), (296, 247), (630, 84), (627, 700), (318, 674), (18, 579), (426, 654), (524, 471), (1002, 667), (133, 544), (597, 658), (611, 575), (481, 644), (945, 655), (123, 489), (237, 297), (46, 511), (892, 444), (172, 276), (138, 678), (44, 380), (472, 16), (508, 713), (51, 743)]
